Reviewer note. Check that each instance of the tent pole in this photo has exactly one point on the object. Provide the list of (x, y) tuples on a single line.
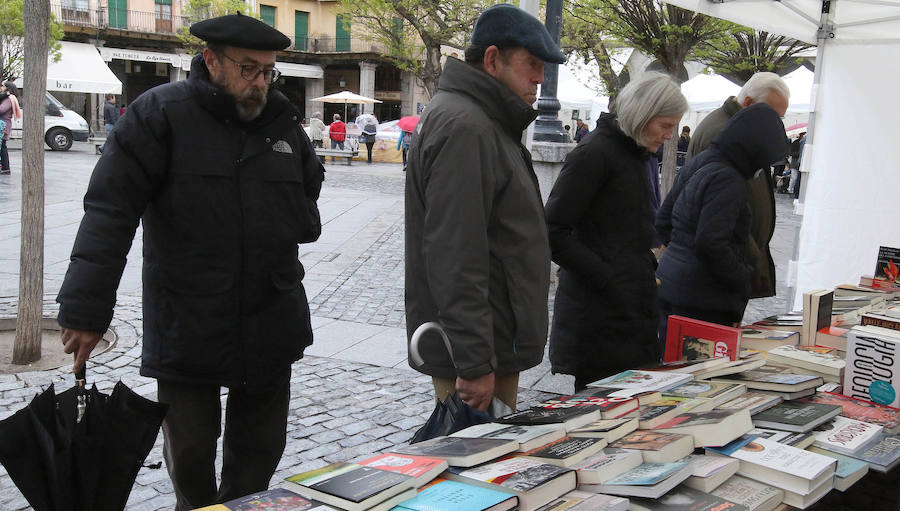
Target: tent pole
[(825, 32)]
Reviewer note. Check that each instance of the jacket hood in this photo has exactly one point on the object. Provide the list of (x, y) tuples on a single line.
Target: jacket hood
[(497, 100), (753, 139)]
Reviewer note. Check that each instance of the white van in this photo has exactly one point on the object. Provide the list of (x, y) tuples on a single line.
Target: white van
[(61, 125)]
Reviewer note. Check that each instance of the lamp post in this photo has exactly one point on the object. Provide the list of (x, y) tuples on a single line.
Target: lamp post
[(548, 127)]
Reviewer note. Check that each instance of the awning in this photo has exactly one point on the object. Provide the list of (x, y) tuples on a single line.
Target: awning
[(80, 69), (300, 70), (109, 54)]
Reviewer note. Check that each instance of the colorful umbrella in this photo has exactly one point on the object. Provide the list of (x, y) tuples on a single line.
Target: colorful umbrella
[(408, 123)]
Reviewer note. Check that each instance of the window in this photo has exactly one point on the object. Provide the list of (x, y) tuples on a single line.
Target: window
[(301, 30), (267, 13), (118, 13), (342, 34), (163, 16)]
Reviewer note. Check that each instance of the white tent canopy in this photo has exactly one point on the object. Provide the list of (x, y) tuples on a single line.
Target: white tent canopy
[(80, 69), (850, 177)]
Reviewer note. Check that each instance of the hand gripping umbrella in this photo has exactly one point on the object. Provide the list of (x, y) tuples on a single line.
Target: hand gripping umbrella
[(80, 449)]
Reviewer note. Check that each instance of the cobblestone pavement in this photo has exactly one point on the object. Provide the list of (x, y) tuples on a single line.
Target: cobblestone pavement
[(340, 410)]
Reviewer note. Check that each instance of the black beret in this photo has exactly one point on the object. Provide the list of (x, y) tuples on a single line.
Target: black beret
[(240, 31), (505, 24)]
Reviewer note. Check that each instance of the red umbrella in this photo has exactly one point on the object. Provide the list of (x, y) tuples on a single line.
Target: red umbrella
[(408, 123)]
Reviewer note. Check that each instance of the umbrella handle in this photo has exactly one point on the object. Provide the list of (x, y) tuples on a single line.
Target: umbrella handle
[(80, 375), (417, 336)]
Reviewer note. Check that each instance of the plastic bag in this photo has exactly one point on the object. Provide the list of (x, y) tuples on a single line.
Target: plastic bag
[(448, 417)]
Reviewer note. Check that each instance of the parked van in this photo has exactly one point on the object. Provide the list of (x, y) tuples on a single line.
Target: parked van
[(61, 125)]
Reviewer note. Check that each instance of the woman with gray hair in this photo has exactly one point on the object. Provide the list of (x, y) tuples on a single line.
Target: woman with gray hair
[(601, 230)]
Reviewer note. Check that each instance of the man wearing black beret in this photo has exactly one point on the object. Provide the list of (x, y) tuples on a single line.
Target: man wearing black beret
[(477, 251), (226, 186)]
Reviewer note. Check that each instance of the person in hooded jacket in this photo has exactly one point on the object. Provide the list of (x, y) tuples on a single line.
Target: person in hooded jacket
[(704, 273), (601, 234)]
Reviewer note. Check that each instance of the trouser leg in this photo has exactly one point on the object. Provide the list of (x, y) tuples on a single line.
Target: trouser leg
[(254, 441), (190, 430), (4, 155), (506, 388)]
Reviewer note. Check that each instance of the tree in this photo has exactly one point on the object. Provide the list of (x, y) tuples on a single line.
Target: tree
[(12, 42), (27, 346), (667, 33), (413, 31), (581, 37), (750, 51), (198, 10)]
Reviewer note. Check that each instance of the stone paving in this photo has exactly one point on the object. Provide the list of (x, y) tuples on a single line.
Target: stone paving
[(353, 394)]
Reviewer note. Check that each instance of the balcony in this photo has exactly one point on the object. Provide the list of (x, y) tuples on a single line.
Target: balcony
[(121, 19), (322, 44)]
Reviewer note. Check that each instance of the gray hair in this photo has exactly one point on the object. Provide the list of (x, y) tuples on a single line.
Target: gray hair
[(317, 114), (760, 85), (651, 95)]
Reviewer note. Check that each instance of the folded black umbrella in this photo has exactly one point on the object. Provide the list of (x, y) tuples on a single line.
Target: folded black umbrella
[(80, 449)]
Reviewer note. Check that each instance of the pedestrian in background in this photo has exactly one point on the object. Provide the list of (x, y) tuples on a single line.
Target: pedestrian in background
[(683, 141), (110, 117), (705, 272), (477, 255), (581, 130), (317, 132), (601, 233), (225, 183), (369, 131), (9, 110), (337, 132)]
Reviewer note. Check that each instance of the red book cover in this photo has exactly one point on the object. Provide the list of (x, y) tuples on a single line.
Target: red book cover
[(861, 410), (598, 399), (691, 339), (405, 464)]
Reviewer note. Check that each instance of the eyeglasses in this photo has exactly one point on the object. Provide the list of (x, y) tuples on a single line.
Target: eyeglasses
[(250, 72)]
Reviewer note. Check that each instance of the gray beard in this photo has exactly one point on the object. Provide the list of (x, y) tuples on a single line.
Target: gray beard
[(248, 105)]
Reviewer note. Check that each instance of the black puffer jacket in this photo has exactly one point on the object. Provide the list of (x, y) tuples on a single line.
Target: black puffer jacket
[(224, 205), (601, 231), (704, 266)]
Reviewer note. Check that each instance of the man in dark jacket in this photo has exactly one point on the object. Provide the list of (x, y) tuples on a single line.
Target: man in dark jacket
[(110, 116), (477, 253), (766, 88), (225, 184)]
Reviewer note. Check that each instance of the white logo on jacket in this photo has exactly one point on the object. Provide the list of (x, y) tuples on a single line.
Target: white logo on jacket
[(282, 147)]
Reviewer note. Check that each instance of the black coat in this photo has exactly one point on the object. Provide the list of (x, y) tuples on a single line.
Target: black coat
[(224, 206), (707, 223), (601, 231)]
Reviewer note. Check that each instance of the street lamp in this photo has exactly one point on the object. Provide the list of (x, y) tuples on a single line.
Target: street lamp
[(548, 127)]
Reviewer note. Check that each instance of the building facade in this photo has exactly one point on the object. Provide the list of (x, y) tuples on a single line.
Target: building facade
[(139, 42)]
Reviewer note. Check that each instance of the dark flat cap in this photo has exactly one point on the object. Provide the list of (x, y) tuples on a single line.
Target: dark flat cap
[(240, 31), (505, 24)]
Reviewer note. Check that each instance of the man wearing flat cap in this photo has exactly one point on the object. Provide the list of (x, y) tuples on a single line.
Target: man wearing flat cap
[(226, 185), (477, 253)]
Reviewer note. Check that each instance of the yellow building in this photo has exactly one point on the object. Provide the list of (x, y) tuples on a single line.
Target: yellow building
[(138, 39)]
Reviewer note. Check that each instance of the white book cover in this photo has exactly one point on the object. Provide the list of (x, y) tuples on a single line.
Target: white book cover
[(873, 363), (634, 382), (519, 433), (783, 458), (828, 362), (705, 466), (528, 473), (845, 435)]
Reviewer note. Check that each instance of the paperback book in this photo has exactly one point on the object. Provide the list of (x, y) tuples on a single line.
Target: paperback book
[(780, 465), (610, 407), (607, 464), (873, 362), (753, 402), (577, 500), (444, 495), (420, 468), (461, 452), (693, 339), (861, 410), (713, 428), (818, 360), (798, 440), (684, 498), (764, 339), (629, 383), (607, 429), (708, 472), (755, 495), (529, 437), (779, 379), (882, 455), (566, 418), (651, 416), (275, 499), (716, 392), (846, 436), (817, 307), (798, 416), (887, 266), (646, 480), (533, 482), (849, 470), (567, 451), (657, 446), (350, 486)]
